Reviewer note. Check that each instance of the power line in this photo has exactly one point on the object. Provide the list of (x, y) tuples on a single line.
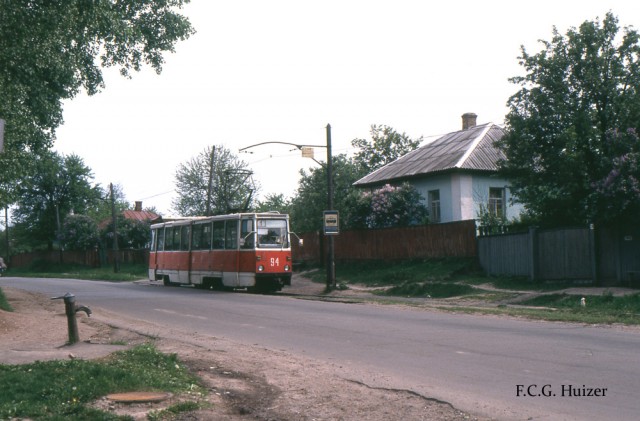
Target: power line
[(159, 194)]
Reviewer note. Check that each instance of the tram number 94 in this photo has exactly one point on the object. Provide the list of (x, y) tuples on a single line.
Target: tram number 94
[(275, 261)]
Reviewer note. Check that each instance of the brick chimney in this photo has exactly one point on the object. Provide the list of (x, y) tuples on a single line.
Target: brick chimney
[(468, 120), (138, 206)]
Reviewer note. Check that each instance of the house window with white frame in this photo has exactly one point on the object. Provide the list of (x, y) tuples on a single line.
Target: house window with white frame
[(497, 202), (434, 205)]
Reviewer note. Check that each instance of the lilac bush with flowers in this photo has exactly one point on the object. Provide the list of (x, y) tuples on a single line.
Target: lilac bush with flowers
[(79, 232), (617, 195), (389, 206)]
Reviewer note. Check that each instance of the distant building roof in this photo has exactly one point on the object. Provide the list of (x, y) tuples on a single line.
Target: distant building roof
[(471, 149), (139, 215)]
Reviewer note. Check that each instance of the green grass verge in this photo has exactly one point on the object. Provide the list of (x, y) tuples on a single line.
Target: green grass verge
[(398, 273), (173, 411), (127, 272), (429, 290), (452, 277), (63, 390), (4, 304), (525, 284), (436, 278), (623, 309), (603, 309)]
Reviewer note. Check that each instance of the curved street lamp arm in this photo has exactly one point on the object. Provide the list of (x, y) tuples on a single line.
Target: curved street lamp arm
[(282, 143)]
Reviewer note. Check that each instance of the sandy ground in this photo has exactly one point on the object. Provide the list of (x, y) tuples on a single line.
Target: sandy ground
[(245, 382)]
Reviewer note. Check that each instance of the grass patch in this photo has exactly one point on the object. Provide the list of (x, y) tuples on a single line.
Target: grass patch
[(628, 304), (128, 272), (380, 273), (4, 304), (429, 290), (455, 277), (437, 278), (604, 309), (525, 284), (171, 412), (62, 390)]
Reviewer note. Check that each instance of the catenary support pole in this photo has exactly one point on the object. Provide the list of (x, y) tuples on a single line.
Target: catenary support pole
[(331, 267)]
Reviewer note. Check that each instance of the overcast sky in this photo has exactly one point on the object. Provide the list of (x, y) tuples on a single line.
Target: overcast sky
[(281, 70)]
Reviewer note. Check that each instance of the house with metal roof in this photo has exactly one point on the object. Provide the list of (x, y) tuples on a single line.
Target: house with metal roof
[(137, 214), (456, 174)]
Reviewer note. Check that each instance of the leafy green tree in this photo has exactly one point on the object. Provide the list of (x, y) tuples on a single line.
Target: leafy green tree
[(101, 210), (79, 232), (61, 185), (386, 146), (214, 182), (132, 233), (576, 89), (311, 198), (51, 50), (273, 202)]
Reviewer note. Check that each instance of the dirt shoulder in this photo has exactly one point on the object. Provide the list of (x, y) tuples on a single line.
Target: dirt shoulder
[(245, 382)]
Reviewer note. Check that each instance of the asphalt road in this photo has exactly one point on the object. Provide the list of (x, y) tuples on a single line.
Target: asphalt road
[(491, 366)]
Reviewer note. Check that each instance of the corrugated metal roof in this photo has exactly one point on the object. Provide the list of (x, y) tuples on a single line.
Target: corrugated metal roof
[(139, 215), (470, 149)]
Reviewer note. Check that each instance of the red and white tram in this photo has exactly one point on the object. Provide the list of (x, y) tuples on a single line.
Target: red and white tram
[(243, 250)]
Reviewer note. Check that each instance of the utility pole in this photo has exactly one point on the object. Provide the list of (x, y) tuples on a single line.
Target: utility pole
[(1, 135), (6, 217), (213, 154), (6, 232), (116, 263), (58, 232), (331, 265)]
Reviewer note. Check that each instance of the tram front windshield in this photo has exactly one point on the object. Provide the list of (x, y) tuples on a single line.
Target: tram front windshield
[(272, 233)]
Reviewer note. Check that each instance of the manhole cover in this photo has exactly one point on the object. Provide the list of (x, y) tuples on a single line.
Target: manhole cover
[(138, 397)]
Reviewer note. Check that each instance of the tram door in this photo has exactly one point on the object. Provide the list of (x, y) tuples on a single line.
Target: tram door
[(231, 262)]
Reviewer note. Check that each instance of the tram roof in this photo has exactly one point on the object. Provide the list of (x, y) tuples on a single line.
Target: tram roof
[(179, 220)]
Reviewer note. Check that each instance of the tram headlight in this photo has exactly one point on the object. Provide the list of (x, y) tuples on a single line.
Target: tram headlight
[(286, 268), (260, 268)]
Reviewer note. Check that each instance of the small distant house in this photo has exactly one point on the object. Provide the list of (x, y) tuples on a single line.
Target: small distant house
[(139, 214), (456, 174)]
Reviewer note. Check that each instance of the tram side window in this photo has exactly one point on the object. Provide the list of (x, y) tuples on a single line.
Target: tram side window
[(184, 237), (176, 238), (247, 234), (206, 236), (196, 240), (218, 235), (152, 244), (231, 235), (168, 239), (160, 240)]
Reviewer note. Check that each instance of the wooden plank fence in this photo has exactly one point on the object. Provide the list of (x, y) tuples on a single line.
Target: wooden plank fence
[(456, 239), (506, 254), (91, 258), (607, 255)]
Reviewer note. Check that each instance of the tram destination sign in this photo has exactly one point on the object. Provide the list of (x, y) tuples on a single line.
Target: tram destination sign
[(331, 222)]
